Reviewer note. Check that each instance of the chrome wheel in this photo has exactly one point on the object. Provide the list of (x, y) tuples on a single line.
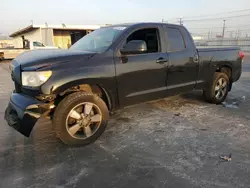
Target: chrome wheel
[(83, 120), (220, 88)]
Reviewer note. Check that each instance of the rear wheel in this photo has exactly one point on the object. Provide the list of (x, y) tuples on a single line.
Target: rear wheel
[(80, 118), (218, 88)]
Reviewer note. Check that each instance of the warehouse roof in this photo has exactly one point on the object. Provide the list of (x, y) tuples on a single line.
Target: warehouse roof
[(61, 27)]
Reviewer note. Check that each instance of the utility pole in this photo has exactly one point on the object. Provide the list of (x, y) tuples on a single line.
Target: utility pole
[(238, 36), (224, 27), (239, 33), (181, 21), (46, 33), (208, 35), (231, 34)]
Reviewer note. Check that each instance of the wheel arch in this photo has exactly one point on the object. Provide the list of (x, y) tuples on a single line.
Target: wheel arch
[(90, 86), (225, 68)]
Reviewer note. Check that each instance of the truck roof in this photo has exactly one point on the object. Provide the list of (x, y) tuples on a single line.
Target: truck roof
[(143, 24)]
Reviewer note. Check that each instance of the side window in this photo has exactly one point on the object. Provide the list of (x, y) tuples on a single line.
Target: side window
[(175, 40), (150, 36), (37, 44)]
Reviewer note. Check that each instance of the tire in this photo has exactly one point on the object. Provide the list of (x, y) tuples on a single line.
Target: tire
[(64, 113), (212, 90)]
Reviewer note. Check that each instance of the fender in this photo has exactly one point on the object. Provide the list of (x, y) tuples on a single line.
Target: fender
[(224, 64), (216, 64), (108, 87)]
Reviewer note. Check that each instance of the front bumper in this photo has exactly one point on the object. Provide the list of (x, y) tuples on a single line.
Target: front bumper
[(23, 112)]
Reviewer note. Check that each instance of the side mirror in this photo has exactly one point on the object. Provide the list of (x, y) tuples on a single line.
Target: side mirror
[(134, 47)]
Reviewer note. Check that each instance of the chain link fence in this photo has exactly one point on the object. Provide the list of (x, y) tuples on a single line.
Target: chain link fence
[(243, 43)]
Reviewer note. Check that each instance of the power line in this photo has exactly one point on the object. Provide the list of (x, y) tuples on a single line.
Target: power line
[(219, 32), (203, 27), (225, 31), (241, 30), (215, 27), (218, 18), (207, 15), (247, 25)]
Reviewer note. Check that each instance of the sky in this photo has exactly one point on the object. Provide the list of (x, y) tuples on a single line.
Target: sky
[(17, 14)]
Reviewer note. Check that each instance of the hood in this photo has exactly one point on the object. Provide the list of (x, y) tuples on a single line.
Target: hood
[(36, 59)]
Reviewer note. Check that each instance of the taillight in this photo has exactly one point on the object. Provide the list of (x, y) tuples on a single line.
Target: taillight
[(241, 54)]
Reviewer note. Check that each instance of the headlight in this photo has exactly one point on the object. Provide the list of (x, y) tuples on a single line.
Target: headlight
[(35, 79)]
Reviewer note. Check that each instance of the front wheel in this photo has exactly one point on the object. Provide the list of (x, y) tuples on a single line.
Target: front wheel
[(80, 118), (218, 89)]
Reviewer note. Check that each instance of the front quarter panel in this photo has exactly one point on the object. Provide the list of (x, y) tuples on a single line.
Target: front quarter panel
[(98, 70)]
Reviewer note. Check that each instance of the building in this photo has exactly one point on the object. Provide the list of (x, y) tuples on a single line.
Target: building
[(62, 36), (6, 43)]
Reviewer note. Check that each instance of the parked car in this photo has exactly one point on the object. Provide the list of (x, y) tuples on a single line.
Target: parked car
[(12, 53), (110, 68), (34, 45)]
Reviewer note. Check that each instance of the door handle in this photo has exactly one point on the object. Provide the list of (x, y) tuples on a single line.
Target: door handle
[(161, 60)]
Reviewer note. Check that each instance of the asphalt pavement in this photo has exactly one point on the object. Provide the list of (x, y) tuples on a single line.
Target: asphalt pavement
[(174, 142)]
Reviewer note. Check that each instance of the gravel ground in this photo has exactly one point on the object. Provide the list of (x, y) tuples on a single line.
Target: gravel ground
[(174, 142)]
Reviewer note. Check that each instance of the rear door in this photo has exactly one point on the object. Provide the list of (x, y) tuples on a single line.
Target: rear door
[(183, 60), (142, 77)]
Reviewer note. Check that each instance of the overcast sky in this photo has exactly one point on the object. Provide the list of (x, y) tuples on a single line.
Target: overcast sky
[(16, 14)]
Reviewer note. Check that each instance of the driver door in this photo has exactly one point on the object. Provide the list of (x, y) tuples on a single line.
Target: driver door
[(142, 77)]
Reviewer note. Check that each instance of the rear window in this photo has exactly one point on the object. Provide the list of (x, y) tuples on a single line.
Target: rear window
[(175, 40)]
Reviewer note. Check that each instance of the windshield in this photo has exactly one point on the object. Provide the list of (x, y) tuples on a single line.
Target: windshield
[(98, 40)]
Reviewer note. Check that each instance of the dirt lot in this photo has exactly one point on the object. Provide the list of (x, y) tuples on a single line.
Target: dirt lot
[(175, 142)]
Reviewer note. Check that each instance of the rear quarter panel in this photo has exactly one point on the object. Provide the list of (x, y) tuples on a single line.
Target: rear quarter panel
[(211, 61)]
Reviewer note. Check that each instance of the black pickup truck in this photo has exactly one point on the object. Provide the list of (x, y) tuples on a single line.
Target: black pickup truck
[(111, 68)]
